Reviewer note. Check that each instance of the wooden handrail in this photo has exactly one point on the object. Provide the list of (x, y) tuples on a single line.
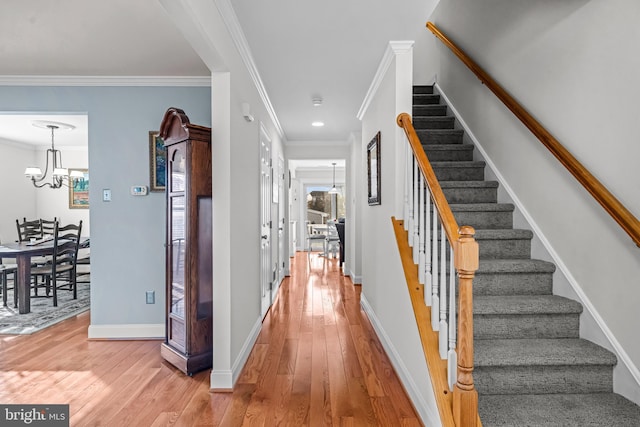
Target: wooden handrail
[(466, 259), (617, 210), (448, 221)]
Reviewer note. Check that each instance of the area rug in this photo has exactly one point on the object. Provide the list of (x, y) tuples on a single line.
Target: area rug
[(43, 313)]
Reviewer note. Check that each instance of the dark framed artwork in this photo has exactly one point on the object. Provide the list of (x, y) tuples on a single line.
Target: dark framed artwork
[(79, 190), (157, 162), (373, 171)]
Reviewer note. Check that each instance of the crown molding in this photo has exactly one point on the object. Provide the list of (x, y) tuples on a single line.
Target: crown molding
[(394, 48), (105, 81), (237, 35)]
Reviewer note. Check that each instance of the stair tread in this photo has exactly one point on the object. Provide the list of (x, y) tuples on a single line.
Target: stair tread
[(515, 266), (540, 352), (485, 207), (468, 184), (459, 164), (589, 409), (502, 233), (443, 131), (448, 147), (525, 304)]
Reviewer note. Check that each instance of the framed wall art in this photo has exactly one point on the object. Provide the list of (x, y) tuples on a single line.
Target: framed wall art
[(157, 162), (373, 171), (79, 191)]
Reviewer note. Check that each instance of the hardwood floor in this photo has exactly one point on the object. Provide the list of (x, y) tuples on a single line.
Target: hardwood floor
[(317, 362)]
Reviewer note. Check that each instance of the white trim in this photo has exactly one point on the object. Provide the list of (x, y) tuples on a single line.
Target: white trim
[(105, 81), (243, 356), (393, 48), (127, 332), (328, 143), (426, 414), (237, 35), (357, 280), (583, 299), (221, 380)]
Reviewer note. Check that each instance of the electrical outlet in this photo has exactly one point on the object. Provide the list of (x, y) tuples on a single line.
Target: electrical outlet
[(151, 297)]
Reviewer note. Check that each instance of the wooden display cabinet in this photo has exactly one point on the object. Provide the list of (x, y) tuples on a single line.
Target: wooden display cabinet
[(188, 341)]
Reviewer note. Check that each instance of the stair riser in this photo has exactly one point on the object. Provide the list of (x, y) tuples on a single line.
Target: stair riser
[(448, 155), (503, 249), (430, 137), (429, 110), (433, 123), (543, 379), (512, 284), (423, 89), (471, 195), (485, 220), (470, 173), (426, 99), (526, 326)]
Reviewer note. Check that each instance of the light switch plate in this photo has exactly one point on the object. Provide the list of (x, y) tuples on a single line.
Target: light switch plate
[(106, 195)]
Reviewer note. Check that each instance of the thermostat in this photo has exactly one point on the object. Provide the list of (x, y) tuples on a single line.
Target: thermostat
[(139, 190)]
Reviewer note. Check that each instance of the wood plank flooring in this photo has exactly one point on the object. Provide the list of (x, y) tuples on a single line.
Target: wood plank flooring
[(316, 362)]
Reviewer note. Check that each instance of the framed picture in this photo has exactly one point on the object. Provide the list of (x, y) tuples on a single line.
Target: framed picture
[(373, 170), (157, 162), (79, 190)]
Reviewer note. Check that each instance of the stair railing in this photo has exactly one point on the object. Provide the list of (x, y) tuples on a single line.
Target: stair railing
[(434, 235), (629, 223)]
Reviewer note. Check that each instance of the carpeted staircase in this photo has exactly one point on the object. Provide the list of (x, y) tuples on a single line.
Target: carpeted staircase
[(531, 367)]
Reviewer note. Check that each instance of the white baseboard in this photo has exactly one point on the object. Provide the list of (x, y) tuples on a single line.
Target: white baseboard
[(221, 380), (127, 332), (357, 280), (626, 374), (242, 358), (426, 413)]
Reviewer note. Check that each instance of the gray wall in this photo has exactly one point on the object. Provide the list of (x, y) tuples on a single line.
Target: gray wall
[(573, 66), (127, 234)]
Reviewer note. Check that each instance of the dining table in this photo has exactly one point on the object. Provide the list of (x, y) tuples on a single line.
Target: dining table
[(22, 252)]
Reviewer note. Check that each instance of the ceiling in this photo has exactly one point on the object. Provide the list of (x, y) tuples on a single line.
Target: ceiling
[(329, 49)]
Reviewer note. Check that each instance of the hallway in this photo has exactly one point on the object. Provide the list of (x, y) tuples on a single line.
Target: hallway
[(316, 362)]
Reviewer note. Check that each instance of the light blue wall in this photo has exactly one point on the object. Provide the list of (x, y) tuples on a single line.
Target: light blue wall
[(127, 234)]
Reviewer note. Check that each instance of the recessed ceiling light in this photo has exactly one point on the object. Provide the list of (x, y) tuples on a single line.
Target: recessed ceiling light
[(316, 101), (317, 124)]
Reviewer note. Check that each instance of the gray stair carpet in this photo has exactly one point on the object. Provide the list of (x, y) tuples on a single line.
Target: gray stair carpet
[(531, 366)]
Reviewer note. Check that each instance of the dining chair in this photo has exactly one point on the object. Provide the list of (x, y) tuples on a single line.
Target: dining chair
[(313, 238), (333, 240), (6, 269), (66, 241), (47, 226), (28, 230)]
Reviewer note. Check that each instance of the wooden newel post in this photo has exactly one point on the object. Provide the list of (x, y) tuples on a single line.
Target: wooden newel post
[(465, 396)]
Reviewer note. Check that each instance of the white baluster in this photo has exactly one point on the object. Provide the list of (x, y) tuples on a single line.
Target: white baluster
[(416, 215), (428, 278), (421, 206), (435, 300), (411, 202), (406, 184), (452, 356), (444, 333)]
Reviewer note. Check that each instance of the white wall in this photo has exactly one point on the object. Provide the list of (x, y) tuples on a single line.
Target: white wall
[(384, 290), (18, 194), (572, 65)]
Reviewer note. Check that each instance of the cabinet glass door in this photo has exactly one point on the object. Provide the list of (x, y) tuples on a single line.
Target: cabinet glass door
[(178, 246)]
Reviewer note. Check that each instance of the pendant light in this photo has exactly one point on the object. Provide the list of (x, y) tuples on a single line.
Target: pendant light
[(334, 190)]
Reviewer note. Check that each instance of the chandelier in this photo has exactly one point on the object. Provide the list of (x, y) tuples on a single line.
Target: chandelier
[(334, 190), (60, 175)]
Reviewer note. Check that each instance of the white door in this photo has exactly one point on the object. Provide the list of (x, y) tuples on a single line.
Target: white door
[(266, 276), (282, 254)]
